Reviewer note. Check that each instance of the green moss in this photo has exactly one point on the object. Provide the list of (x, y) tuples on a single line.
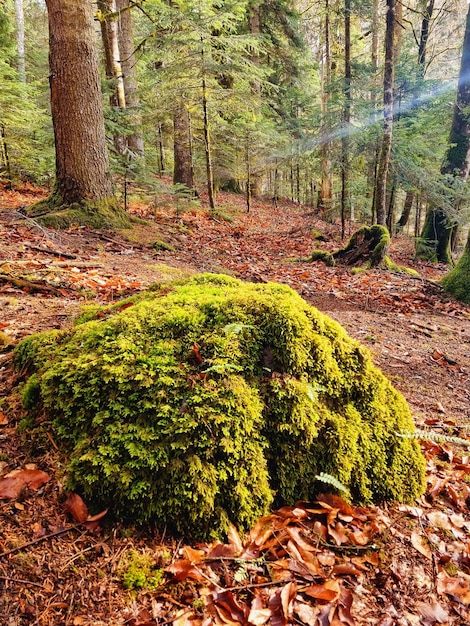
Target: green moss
[(210, 398), (161, 245), (368, 245), (54, 213), (457, 282), (321, 255), (139, 571)]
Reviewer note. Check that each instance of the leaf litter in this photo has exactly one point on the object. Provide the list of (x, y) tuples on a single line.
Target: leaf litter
[(326, 562)]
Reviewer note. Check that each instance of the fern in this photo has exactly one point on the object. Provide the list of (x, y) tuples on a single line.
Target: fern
[(427, 435), (331, 480)]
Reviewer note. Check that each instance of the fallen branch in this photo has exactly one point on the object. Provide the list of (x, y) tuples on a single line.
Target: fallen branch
[(30, 286)]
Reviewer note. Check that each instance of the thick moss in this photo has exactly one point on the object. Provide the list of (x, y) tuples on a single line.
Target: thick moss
[(457, 282), (53, 212), (207, 399)]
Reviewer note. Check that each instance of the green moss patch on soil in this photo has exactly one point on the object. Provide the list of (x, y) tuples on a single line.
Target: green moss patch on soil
[(205, 401)]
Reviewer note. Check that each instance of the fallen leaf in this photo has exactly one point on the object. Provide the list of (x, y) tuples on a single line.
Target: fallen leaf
[(328, 592), (12, 484), (420, 543), (77, 508)]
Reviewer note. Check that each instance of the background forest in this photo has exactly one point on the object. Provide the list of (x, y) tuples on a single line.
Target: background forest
[(278, 98)]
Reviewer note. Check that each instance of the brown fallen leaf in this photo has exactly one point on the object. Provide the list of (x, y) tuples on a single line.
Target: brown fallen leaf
[(329, 591), (77, 508), (12, 484), (420, 543)]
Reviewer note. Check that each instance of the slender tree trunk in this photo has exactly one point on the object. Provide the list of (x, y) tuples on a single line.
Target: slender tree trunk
[(5, 157), (76, 103), (386, 146), (345, 199), (207, 141), (407, 206), (183, 165), (135, 140), (423, 41), (248, 172), (19, 13), (372, 167), (112, 58), (325, 200), (160, 148), (422, 56)]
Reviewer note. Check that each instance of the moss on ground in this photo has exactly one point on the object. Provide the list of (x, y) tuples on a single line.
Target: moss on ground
[(208, 400), (52, 212)]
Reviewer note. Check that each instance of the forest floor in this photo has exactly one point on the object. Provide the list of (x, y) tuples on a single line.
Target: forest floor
[(384, 565)]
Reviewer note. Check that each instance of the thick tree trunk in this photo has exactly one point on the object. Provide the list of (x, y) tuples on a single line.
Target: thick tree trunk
[(76, 103), (386, 146), (83, 192)]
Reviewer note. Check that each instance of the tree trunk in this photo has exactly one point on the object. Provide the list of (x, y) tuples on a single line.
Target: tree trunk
[(77, 113), (386, 146), (434, 243), (183, 163), (423, 40), (325, 199), (345, 199), (19, 13), (112, 58), (407, 206), (135, 140), (207, 140)]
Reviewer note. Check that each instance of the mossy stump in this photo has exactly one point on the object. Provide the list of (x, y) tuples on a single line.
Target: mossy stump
[(209, 400), (367, 245)]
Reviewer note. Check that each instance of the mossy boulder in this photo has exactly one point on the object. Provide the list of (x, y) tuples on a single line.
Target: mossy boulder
[(208, 400), (457, 281)]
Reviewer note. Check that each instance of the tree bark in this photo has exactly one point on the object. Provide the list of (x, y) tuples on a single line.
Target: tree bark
[(386, 146), (112, 58), (345, 199), (325, 199), (183, 163), (77, 108), (135, 140), (19, 13)]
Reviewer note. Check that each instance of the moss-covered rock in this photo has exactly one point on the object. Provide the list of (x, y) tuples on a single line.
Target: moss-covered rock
[(201, 402)]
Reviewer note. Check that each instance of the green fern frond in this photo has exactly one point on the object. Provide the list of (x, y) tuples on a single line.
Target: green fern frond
[(331, 480), (427, 435)]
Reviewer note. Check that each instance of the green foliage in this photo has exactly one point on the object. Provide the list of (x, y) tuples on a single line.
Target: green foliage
[(26, 147), (139, 571), (208, 398)]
